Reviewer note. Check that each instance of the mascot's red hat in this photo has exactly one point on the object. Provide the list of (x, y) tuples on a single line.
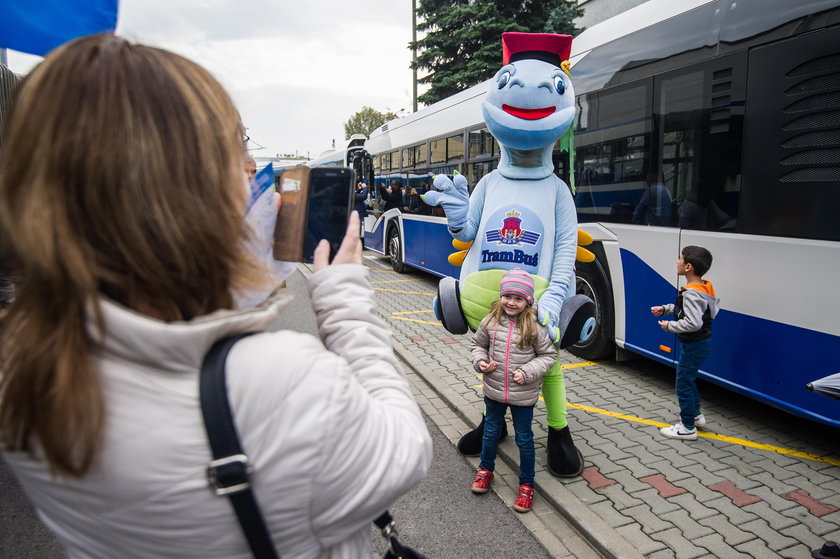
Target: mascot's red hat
[(548, 47)]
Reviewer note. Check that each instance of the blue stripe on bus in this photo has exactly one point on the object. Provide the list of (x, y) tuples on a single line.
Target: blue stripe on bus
[(375, 240), (763, 359), (428, 246)]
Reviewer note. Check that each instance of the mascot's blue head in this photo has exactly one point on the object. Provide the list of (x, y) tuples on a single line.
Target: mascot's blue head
[(532, 103)]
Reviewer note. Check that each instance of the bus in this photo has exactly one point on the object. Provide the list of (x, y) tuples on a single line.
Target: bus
[(700, 122), (352, 154)]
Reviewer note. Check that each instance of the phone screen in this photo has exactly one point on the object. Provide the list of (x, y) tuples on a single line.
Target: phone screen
[(330, 203)]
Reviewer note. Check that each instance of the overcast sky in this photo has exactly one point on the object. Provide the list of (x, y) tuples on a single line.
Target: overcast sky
[(297, 69)]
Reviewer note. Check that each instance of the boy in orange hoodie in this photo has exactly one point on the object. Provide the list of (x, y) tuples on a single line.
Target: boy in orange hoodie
[(695, 308)]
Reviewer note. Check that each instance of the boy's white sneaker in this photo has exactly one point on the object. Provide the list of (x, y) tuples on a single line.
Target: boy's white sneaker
[(679, 431), (700, 421)]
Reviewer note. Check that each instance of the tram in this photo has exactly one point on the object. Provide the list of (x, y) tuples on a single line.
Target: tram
[(700, 122)]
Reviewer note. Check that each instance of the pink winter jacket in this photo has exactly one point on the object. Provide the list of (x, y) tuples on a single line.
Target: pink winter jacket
[(499, 342)]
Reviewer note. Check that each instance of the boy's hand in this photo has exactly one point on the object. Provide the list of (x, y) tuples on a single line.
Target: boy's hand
[(518, 377), (664, 325), (487, 366), (658, 310)]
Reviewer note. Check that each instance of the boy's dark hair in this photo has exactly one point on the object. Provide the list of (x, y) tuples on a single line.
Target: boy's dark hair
[(699, 258)]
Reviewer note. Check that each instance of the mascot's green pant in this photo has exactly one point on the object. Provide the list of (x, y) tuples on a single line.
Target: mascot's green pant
[(554, 394)]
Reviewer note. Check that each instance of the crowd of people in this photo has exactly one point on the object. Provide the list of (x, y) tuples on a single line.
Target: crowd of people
[(407, 199)]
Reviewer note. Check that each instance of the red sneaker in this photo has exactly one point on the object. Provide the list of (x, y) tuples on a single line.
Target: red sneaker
[(525, 499), (482, 481)]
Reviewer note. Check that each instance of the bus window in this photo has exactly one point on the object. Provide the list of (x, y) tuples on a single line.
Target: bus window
[(612, 152), (407, 158), (455, 148), (481, 144), (694, 133), (438, 151), (420, 155)]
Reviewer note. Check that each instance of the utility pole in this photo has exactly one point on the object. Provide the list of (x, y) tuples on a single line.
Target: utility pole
[(414, 51)]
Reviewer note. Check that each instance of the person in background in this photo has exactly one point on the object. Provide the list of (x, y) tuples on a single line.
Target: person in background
[(513, 351), (360, 205), (250, 167), (110, 326), (394, 197), (695, 309), (412, 201), (424, 208)]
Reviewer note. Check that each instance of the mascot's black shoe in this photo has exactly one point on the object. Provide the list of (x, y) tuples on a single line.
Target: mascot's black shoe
[(470, 444), (564, 459)]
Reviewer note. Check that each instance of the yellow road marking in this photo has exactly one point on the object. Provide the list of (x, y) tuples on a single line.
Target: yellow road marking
[(713, 436), (573, 365), (652, 423), (415, 320), (395, 281), (406, 292), (411, 312), (704, 434)]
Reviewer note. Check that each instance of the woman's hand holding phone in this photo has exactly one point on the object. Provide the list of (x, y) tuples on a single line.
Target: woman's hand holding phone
[(350, 251)]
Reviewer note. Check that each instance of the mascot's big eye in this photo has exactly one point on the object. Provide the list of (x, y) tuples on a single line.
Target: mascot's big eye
[(559, 85), (504, 79)]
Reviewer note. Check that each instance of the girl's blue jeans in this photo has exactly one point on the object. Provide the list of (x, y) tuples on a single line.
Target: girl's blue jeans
[(494, 417), (692, 356)]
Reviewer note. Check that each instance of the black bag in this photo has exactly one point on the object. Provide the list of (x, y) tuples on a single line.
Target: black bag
[(229, 471)]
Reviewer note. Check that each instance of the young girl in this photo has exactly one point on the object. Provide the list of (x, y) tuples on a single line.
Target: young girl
[(513, 351)]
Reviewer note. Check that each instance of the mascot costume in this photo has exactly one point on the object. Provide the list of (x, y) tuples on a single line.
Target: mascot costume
[(521, 215)]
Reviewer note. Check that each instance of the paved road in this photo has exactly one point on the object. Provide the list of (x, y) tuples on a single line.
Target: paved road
[(758, 483)]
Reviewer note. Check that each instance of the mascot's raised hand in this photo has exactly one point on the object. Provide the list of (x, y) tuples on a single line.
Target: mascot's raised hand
[(453, 196), (522, 215)]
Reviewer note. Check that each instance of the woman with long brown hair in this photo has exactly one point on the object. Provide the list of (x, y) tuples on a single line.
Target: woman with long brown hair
[(129, 256)]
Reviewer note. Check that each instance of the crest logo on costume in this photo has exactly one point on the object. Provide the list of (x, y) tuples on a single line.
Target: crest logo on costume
[(511, 232)]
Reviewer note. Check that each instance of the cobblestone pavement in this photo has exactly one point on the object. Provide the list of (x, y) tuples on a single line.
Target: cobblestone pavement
[(757, 483)]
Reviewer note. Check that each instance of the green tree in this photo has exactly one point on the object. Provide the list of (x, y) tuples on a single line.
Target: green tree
[(462, 45), (366, 121)]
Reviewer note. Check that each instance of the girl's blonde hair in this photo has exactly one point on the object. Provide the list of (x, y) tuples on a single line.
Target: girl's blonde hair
[(526, 323), (122, 177)]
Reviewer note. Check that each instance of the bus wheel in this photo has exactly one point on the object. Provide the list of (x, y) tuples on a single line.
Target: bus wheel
[(592, 282), (395, 250)]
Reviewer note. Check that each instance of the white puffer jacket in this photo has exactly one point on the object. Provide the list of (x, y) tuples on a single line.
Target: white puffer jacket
[(334, 433)]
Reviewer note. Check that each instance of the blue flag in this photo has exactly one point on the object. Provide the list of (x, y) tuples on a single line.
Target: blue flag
[(38, 26)]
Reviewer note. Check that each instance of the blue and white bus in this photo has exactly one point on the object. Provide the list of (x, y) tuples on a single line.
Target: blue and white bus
[(700, 122)]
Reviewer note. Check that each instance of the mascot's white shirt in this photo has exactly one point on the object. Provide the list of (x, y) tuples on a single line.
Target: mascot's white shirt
[(522, 223)]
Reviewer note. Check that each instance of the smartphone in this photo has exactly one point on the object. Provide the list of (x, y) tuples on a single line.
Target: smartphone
[(315, 204)]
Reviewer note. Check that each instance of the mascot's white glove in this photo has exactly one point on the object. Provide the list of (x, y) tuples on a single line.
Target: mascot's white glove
[(453, 196), (548, 312)]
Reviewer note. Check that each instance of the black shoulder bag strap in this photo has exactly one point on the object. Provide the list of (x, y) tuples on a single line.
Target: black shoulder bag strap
[(229, 472)]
